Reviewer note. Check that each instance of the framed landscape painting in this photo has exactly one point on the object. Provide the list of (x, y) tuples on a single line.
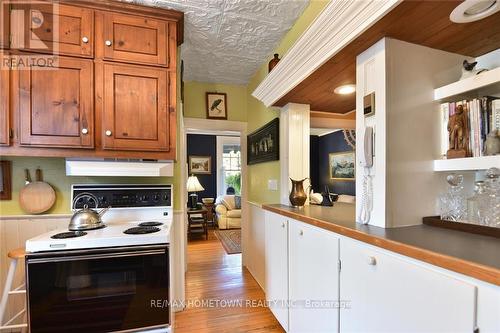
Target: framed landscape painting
[(200, 165), (342, 165), (216, 105)]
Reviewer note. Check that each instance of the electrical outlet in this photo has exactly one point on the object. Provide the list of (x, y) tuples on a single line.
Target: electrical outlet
[(272, 184)]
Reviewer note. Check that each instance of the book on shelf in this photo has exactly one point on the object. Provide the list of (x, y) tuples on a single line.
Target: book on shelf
[(483, 116)]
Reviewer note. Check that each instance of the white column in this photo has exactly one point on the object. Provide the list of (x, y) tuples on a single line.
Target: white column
[(294, 147)]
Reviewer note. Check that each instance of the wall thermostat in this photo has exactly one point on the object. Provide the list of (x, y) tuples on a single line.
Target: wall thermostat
[(369, 105)]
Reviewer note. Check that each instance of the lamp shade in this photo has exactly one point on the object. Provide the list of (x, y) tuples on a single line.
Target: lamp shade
[(193, 184)]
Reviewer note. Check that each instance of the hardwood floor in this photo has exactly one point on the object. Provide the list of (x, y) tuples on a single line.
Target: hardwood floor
[(214, 276)]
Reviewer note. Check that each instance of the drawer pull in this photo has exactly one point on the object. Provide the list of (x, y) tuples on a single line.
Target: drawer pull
[(372, 261), (108, 43), (108, 133), (85, 40), (85, 131), (282, 224), (301, 232)]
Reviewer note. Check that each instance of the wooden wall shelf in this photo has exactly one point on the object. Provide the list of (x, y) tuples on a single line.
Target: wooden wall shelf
[(484, 84), (467, 164)]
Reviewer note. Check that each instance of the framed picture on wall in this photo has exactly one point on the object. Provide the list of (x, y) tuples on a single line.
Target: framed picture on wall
[(342, 165), (263, 145), (216, 105), (5, 181), (200, 165)]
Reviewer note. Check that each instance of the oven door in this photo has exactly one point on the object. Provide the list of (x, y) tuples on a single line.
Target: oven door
[(99, 291)]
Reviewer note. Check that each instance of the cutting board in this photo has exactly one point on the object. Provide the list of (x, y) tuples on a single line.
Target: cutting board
[(36, 197)]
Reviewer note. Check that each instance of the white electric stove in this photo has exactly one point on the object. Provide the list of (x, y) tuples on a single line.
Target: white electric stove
[(123, 266)]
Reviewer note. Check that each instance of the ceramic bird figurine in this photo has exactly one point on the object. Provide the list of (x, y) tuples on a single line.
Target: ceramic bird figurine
[(468, 69)]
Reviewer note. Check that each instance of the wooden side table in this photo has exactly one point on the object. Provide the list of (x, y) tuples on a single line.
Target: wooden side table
[(197, 222), (210, 213)]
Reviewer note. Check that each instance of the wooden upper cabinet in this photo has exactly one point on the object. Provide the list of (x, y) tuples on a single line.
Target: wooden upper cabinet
[(4, 107), (53, 28), (134, 107), (56, 106), (134, 39), (4, 24)]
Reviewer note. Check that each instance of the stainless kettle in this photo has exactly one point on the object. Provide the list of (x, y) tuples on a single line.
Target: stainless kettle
[(86, 218)]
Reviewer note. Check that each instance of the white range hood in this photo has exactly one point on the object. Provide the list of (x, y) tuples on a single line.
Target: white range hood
[(119, 168)]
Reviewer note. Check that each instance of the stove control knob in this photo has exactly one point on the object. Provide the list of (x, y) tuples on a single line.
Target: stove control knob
[(156, 197), (143, 198)]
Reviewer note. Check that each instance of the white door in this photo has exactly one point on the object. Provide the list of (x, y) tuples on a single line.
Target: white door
[(387, 293), (313, 279), (277, 266)]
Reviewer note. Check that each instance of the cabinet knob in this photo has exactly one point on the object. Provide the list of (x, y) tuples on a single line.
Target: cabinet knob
[(108, 133), (108, 43), (372, 261), (282, 224), (85, 131), (301, 232), (85, 39)]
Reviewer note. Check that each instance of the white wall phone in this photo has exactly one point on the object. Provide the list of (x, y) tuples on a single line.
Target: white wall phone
[(367, 163)]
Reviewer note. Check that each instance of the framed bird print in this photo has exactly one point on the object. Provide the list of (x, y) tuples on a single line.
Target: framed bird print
[(216, 105)]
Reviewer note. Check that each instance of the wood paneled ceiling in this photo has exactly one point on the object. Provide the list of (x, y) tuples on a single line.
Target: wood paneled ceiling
[(421, 22)]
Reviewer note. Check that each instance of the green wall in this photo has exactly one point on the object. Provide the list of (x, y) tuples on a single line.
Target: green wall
[(53, 170), (195, 99), (258, 114)]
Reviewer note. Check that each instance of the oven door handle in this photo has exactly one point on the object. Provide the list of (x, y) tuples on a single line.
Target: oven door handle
[(96, 256)]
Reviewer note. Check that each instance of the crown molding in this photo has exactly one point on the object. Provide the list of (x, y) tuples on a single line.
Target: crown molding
[(338, 24)]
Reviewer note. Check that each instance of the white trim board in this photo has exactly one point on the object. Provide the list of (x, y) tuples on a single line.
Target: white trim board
[(338, 24)]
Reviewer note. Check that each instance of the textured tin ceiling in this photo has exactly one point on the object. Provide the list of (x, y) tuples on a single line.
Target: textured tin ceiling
[(225, 41)]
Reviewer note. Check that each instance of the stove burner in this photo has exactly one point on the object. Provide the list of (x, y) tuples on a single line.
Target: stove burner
[(141, 230), (70, 234), (150, 224)]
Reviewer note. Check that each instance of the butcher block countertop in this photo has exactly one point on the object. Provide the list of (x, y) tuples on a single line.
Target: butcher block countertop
[(469, 254)]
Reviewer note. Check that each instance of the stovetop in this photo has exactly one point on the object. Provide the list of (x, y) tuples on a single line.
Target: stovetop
[(113, 235)]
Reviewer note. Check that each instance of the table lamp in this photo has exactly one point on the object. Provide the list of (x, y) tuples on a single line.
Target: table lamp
[(193, 185)]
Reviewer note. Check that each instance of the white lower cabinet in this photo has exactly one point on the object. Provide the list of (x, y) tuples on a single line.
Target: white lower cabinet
[(390, 293), (313, 279), (382, 291), (276, 231)]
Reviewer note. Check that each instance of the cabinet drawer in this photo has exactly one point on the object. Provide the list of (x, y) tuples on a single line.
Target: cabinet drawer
[(51, 28), (134, 107), (56, 106), (132, 39), (392, 294)]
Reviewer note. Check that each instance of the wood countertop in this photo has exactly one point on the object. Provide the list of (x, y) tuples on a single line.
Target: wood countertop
[(469, 254)]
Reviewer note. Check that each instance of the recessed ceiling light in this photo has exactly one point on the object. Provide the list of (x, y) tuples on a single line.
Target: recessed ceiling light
[(345, 89), (474, 10)]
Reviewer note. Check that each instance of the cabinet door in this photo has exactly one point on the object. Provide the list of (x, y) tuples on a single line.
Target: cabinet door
[(135, 114), (56, 106), (277, 266), (4, 25), (314, 279), (132, 39), (389, 294), (4, 106), (53, 28)]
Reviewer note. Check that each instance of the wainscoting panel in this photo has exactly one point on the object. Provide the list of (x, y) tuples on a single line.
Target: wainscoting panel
[(14, 232)]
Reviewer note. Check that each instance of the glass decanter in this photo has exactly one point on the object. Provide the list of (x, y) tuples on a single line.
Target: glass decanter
[(477, 204), (492, 216), (453, 203)]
